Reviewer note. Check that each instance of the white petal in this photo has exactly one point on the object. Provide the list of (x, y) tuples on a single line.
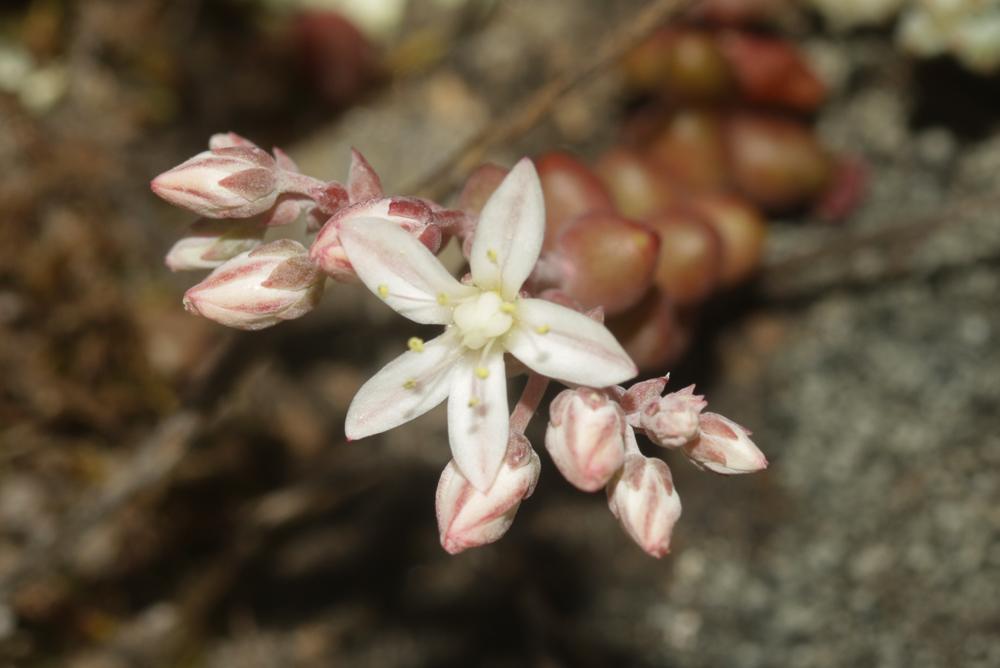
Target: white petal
[(404, 389), (509, 235), (566, 345), (400, 270), (478, 423)]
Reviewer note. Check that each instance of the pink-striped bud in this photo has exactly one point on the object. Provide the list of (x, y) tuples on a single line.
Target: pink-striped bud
[(237, 181), (411, 214), (209, 243), (586, 437), (259, 288), (672, 420), (724, 447), (643, 499), (468, 517)]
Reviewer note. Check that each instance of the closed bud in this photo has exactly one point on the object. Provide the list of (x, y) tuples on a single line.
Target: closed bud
[(468, 517), (236, 181), (259, 288), (724, 447), (571, 189), (479, 186), (643, 499), (672, 420), (411, 214), (209, 243), (586, 437)]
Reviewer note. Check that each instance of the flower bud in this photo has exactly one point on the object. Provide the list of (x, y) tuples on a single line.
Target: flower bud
[(236, 181), (259, 288), (690, 256), (411, 214), (777, 163), (608, 260), (638, 186), (635, 398), (468, 517), (672, 420), (209, 243), (724, 447), (363, 182), (570, 190), (586, 437), (643, 499)]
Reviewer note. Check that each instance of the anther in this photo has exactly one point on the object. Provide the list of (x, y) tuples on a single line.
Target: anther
[(482, 372), (507, 307), (491, 255), (543, 329), (416, 344), (473, 402), (410, 385), (442, 299), (383, 290)]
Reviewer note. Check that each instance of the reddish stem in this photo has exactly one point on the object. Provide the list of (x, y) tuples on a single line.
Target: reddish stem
[(528, 403)]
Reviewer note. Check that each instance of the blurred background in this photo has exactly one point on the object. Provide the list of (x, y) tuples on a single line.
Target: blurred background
[(176, 494)]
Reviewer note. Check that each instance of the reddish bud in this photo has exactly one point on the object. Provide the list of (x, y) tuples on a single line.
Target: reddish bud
[(672, 420), (651, 332), (638, 186), (586, 437), (479, 186), (724, 447), (643, 499), (690, 256), (468, 517), (259, 288), (363, 183), (776, 162), (772, 71), (636, 397), (741, 230), (607, 260), (570, 190), (411, 214), (229, 182), (209, 243), (691, 146)]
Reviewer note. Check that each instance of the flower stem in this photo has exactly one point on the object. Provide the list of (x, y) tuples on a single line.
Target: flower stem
[(526, 406)]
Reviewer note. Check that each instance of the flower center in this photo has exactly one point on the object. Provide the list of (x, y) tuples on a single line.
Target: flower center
[(483, 318)]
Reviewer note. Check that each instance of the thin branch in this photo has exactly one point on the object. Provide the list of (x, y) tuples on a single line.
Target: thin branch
[(527, 112)]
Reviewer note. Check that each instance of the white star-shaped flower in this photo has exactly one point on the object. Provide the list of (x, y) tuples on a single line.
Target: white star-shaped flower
[(482, 321)]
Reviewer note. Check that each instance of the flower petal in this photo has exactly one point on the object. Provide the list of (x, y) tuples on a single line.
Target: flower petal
[(478, 423), (509, 235), (566, 345), (404, 389), (400, 270)]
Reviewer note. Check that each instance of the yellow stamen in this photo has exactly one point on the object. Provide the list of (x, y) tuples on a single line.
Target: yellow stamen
[(473, 402), (410, 385), (416, 344), (482, 372), (442, 299), (383, 290), (507, 307), (543, 329), (491, 255)]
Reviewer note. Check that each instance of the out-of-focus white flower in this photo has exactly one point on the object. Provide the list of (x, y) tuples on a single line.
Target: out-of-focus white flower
[(643, 499), (586, 437), (209, 243), (468, 517), (259, 288), (672, 420), (968, 29), (853, 13), (724, 447), (483, 319)]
